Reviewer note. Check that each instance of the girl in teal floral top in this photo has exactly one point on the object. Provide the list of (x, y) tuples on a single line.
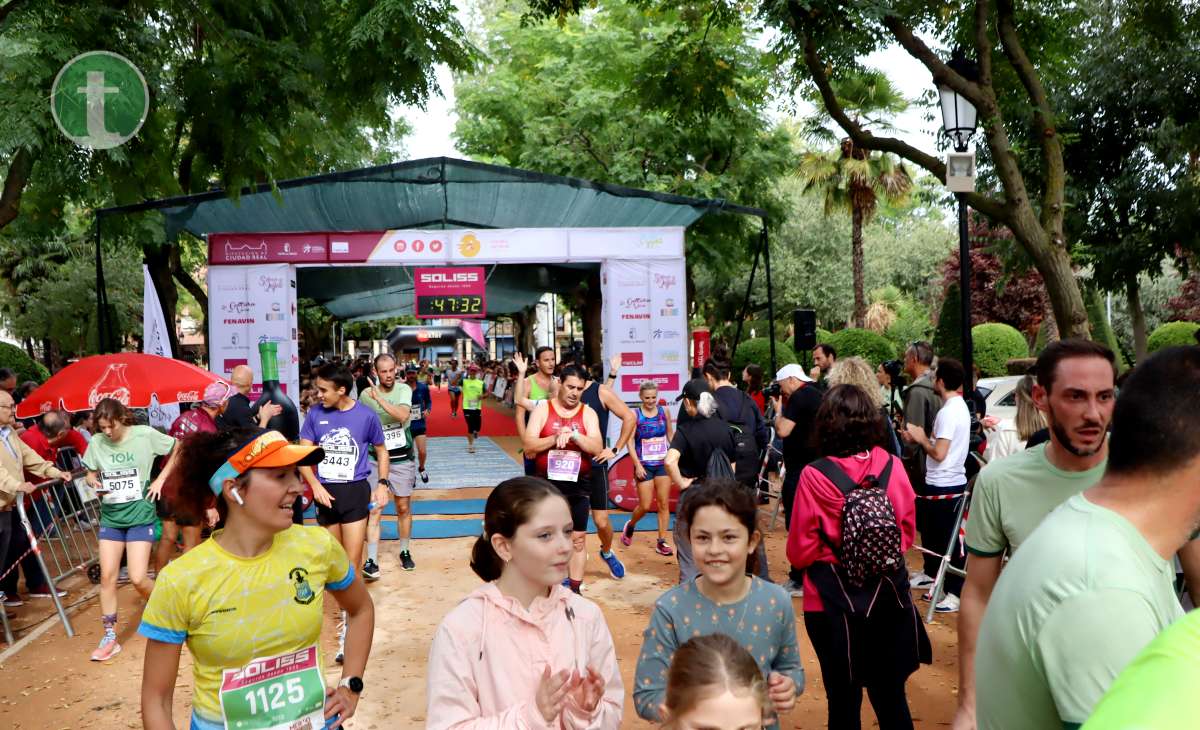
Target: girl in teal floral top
[(723, 599)]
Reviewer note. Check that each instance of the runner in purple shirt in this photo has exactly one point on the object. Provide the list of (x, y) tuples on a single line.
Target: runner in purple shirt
[(345, 430)]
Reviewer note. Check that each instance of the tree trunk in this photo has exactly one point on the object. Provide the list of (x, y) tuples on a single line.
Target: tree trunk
[(1137, 316), (592, 325), (856, 256), (523, 322), (158, 261)]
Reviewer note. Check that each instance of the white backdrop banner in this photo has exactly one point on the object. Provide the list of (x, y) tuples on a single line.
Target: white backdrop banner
[(645, 323), (248, 305)]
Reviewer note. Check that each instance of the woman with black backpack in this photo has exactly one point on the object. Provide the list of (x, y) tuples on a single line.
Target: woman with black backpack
[(853, 519)]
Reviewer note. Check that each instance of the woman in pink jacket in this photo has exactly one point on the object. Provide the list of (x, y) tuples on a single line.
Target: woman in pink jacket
[(521, 651), (858, 611)]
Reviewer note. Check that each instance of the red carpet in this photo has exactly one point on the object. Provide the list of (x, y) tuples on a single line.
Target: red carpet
[(439, 423)]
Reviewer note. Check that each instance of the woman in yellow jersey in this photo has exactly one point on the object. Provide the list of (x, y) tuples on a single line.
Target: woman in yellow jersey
[(249, 601)]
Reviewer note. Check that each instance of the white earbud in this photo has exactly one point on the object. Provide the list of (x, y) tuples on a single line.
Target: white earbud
[(236, 497)]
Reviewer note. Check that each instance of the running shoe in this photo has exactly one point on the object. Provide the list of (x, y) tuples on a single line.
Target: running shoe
[(108, 648), (406, 560), (949, 604), (424, 476), (663, 548), (794, 589), (627, 534), (470, 449), (341, 652), (919, 580), (370, 571), (11, 601), (615, 566), (44, 592)]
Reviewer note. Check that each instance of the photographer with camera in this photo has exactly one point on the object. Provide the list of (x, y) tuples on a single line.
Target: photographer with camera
[(890, 376), (794, 424)]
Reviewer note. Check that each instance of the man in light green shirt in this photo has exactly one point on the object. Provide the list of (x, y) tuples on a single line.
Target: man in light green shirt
[(1075, 391), (392, 401), (472, 404), (1093, 583), (1157, 691)]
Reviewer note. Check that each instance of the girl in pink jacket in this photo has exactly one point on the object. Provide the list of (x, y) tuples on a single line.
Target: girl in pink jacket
[(521, 651)]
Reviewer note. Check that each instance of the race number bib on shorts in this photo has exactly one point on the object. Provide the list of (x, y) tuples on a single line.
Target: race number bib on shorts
[(563, 466), (284, 692), (654, 449), (338, 464), (393, 437), (121, 485)]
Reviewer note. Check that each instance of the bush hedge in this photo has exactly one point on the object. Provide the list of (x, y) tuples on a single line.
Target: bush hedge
[(993, 345), (758, 350), (947, 338), (26, 368), (870, 346), (1172, 334)]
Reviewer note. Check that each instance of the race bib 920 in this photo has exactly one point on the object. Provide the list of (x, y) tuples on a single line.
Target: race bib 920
[(563, 465)]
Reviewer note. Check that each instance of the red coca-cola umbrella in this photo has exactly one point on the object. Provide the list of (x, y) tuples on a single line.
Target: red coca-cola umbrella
[(130, 377)]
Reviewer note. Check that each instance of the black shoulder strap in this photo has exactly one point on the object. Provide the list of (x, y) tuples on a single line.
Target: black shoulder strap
[(834, 473), (842, 480)]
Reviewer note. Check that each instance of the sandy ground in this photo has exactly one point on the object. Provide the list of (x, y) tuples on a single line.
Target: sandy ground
[(51, 684)]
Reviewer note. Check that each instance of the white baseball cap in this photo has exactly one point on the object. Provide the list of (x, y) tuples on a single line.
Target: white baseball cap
[(792, 371)]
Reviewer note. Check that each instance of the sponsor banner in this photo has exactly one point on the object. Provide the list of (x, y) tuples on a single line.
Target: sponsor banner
[(156, 341), (701, 346), (666, 382), (450, 292), (354, 247), (249, 305), (650, 344), (250, 248), (633, 243)]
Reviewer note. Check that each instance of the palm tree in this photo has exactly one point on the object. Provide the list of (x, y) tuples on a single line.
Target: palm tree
[(854, 179)]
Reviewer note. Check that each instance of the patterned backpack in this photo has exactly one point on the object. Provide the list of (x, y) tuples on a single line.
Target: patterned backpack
[(870, 535)]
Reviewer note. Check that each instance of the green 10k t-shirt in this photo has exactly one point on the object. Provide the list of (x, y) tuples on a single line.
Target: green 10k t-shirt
[(123, 469)]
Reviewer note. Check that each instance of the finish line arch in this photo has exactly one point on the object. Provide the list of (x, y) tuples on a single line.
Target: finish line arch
[(252, 285)]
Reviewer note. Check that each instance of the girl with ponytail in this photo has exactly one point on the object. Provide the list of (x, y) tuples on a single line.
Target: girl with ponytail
[(522, 650)]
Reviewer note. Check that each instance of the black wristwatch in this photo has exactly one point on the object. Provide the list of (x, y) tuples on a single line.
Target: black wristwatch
[(354, 684), (385, 482)]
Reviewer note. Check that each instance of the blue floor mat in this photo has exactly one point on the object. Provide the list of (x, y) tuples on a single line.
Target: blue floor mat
[(429, 507), (434, 529)]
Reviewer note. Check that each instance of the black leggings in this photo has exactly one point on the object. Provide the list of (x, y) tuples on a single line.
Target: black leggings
[(845, 697)]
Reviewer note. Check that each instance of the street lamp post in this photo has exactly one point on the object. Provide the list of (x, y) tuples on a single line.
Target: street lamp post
[(959, 121)]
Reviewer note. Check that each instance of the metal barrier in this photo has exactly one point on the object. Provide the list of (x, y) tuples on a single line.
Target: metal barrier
[(63, 536)]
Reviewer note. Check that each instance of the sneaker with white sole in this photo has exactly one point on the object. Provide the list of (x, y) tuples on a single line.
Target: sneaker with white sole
[(11, 601), (615, 566), (949, 604), (627, 534), (406, 560), (44, 592), (424, 476), (794, 589), (919, 580), (662, 547), (108, 648), (370, 571)]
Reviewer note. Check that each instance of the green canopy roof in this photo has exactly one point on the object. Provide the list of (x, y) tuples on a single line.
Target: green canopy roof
[(433, 193)]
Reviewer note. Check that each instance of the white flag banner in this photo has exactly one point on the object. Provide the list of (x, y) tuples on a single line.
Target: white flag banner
[(156, 341)]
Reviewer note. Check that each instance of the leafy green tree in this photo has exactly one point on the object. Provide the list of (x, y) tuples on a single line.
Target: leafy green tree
[(850, 178), (651, 97), (241, 93)]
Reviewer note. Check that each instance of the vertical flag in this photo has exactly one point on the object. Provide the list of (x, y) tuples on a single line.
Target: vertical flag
[(156, 341)]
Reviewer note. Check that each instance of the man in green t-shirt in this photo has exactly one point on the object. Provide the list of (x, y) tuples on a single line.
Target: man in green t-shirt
[(1093, 584), (1157, 691), (392, 401), (472, 404), (1075, 391)]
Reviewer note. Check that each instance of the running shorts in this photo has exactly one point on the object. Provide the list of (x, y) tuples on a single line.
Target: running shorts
[(474, 420), (599, 481), (351, 503), (653, 471), (137, 533), (579, 499), (417, 428), (402, 475)]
